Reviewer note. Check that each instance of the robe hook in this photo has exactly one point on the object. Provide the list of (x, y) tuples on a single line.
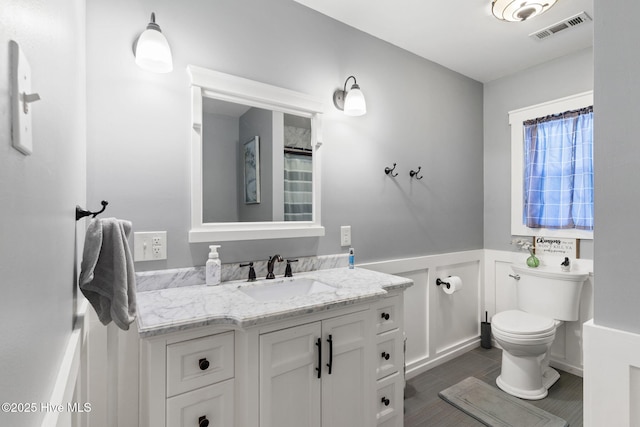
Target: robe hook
[(389, 171), (414, 174)]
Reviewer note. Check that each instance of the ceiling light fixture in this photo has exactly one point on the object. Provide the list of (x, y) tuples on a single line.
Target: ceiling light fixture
[(352, 102), (152, 50), (520, 10)]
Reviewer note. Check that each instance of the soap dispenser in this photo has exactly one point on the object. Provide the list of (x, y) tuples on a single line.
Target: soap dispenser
[(213, 267)]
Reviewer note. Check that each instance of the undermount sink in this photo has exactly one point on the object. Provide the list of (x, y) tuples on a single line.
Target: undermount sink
[(286, 288)]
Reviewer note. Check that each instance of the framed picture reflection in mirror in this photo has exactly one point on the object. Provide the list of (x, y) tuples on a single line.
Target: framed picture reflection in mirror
[(251, 162)]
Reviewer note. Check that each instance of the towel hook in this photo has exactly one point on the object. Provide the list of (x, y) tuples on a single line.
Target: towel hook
[(389, 171), (81, 213), (413, 173)]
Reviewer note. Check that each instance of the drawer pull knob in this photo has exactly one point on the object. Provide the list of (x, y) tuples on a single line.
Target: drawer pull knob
[(204, 365), (203, 421), (385, 316), (385, 355), (385, 401)]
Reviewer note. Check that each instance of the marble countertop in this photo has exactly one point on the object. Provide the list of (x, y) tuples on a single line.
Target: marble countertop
[(175, 309)]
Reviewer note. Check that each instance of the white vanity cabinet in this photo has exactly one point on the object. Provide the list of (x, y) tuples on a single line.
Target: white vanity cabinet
[(338, 367), (187, 380), (318, 374)]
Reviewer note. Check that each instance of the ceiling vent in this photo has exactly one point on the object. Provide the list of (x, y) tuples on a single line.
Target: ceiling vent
[(574, 21)]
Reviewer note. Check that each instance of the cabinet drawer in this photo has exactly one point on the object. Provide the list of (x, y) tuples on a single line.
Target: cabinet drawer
[(389, 354), (389, 398), (214, 402), (199, 362), (387, 314)]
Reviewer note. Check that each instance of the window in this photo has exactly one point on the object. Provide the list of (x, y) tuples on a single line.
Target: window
[(552, 168)]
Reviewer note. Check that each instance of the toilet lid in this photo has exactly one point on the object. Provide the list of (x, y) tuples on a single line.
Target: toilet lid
[(521, 323)]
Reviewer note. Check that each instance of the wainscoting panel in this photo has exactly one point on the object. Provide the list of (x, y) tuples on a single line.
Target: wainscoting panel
[(439, 327), (612, 377), (69, 388), (505, 287), (416, 298), (457, 314), (99, 369)]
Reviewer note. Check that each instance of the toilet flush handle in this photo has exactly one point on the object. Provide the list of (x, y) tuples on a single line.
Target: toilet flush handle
[(515, 276)]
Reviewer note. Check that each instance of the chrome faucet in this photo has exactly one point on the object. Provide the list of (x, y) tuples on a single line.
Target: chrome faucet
[(272, 261)]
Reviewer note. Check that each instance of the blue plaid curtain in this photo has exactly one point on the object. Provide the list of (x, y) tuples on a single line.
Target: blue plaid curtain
[(558, 171)]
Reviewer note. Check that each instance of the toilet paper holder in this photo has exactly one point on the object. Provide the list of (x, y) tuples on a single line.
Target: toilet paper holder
[(443, 283)]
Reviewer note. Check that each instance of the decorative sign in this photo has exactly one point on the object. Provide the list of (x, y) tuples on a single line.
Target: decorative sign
[(556, 246)]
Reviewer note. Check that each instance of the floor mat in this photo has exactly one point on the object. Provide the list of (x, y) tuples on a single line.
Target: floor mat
[(493, 407)]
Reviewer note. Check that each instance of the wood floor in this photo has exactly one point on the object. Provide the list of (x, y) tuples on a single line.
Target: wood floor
[(423, 407)]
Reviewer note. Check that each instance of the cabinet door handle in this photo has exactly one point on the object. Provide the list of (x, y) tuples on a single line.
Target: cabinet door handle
[(330, 364), (203, 421), (204, 364), (385, 401), (385, 316), (319, 368), (385, 355)]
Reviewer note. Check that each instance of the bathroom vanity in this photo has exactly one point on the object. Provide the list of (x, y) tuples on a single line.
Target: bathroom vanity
[(322, 349)]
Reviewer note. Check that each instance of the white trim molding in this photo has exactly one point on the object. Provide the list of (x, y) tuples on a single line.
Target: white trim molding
[(612, 377), (67, 389)]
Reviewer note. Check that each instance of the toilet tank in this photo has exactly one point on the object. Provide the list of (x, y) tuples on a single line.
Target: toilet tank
[(549, 292)]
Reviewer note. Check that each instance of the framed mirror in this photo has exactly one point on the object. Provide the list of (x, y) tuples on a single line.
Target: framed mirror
[(255, 160)]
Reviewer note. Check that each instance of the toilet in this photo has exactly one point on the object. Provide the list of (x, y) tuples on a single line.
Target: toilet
[(545, 298)]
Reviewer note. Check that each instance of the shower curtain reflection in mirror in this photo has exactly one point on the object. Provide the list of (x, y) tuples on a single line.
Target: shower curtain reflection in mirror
[(298, 186)]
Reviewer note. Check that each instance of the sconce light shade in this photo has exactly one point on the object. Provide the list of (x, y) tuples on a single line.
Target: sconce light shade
[(152, 50), (519, 10), (352, 102)]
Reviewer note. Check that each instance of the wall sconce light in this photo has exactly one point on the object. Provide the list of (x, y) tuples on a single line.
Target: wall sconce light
[(514, 11), (352, 102), (152, 50)]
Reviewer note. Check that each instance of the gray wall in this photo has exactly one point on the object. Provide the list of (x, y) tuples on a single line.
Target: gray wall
[(220, 168), (38, 195), (616, 153), (419, 114), (552, 80)]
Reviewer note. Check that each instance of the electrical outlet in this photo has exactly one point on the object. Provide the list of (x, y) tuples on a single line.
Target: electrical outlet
[(150, 245), (345, 235)]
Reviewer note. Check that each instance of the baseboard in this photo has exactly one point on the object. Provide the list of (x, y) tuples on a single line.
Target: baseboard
[(416, 368), (566, 367)]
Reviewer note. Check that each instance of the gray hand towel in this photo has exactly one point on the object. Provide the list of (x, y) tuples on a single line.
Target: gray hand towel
[(107, 278)]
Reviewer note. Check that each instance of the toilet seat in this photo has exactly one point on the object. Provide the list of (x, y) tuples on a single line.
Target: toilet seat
[(521, 325)]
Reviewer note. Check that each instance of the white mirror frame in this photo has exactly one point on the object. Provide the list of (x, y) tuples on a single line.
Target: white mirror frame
[(214, 84)]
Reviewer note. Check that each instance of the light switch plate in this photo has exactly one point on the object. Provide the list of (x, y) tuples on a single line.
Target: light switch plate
[(345, 235), (21, 111), (149, 245)]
